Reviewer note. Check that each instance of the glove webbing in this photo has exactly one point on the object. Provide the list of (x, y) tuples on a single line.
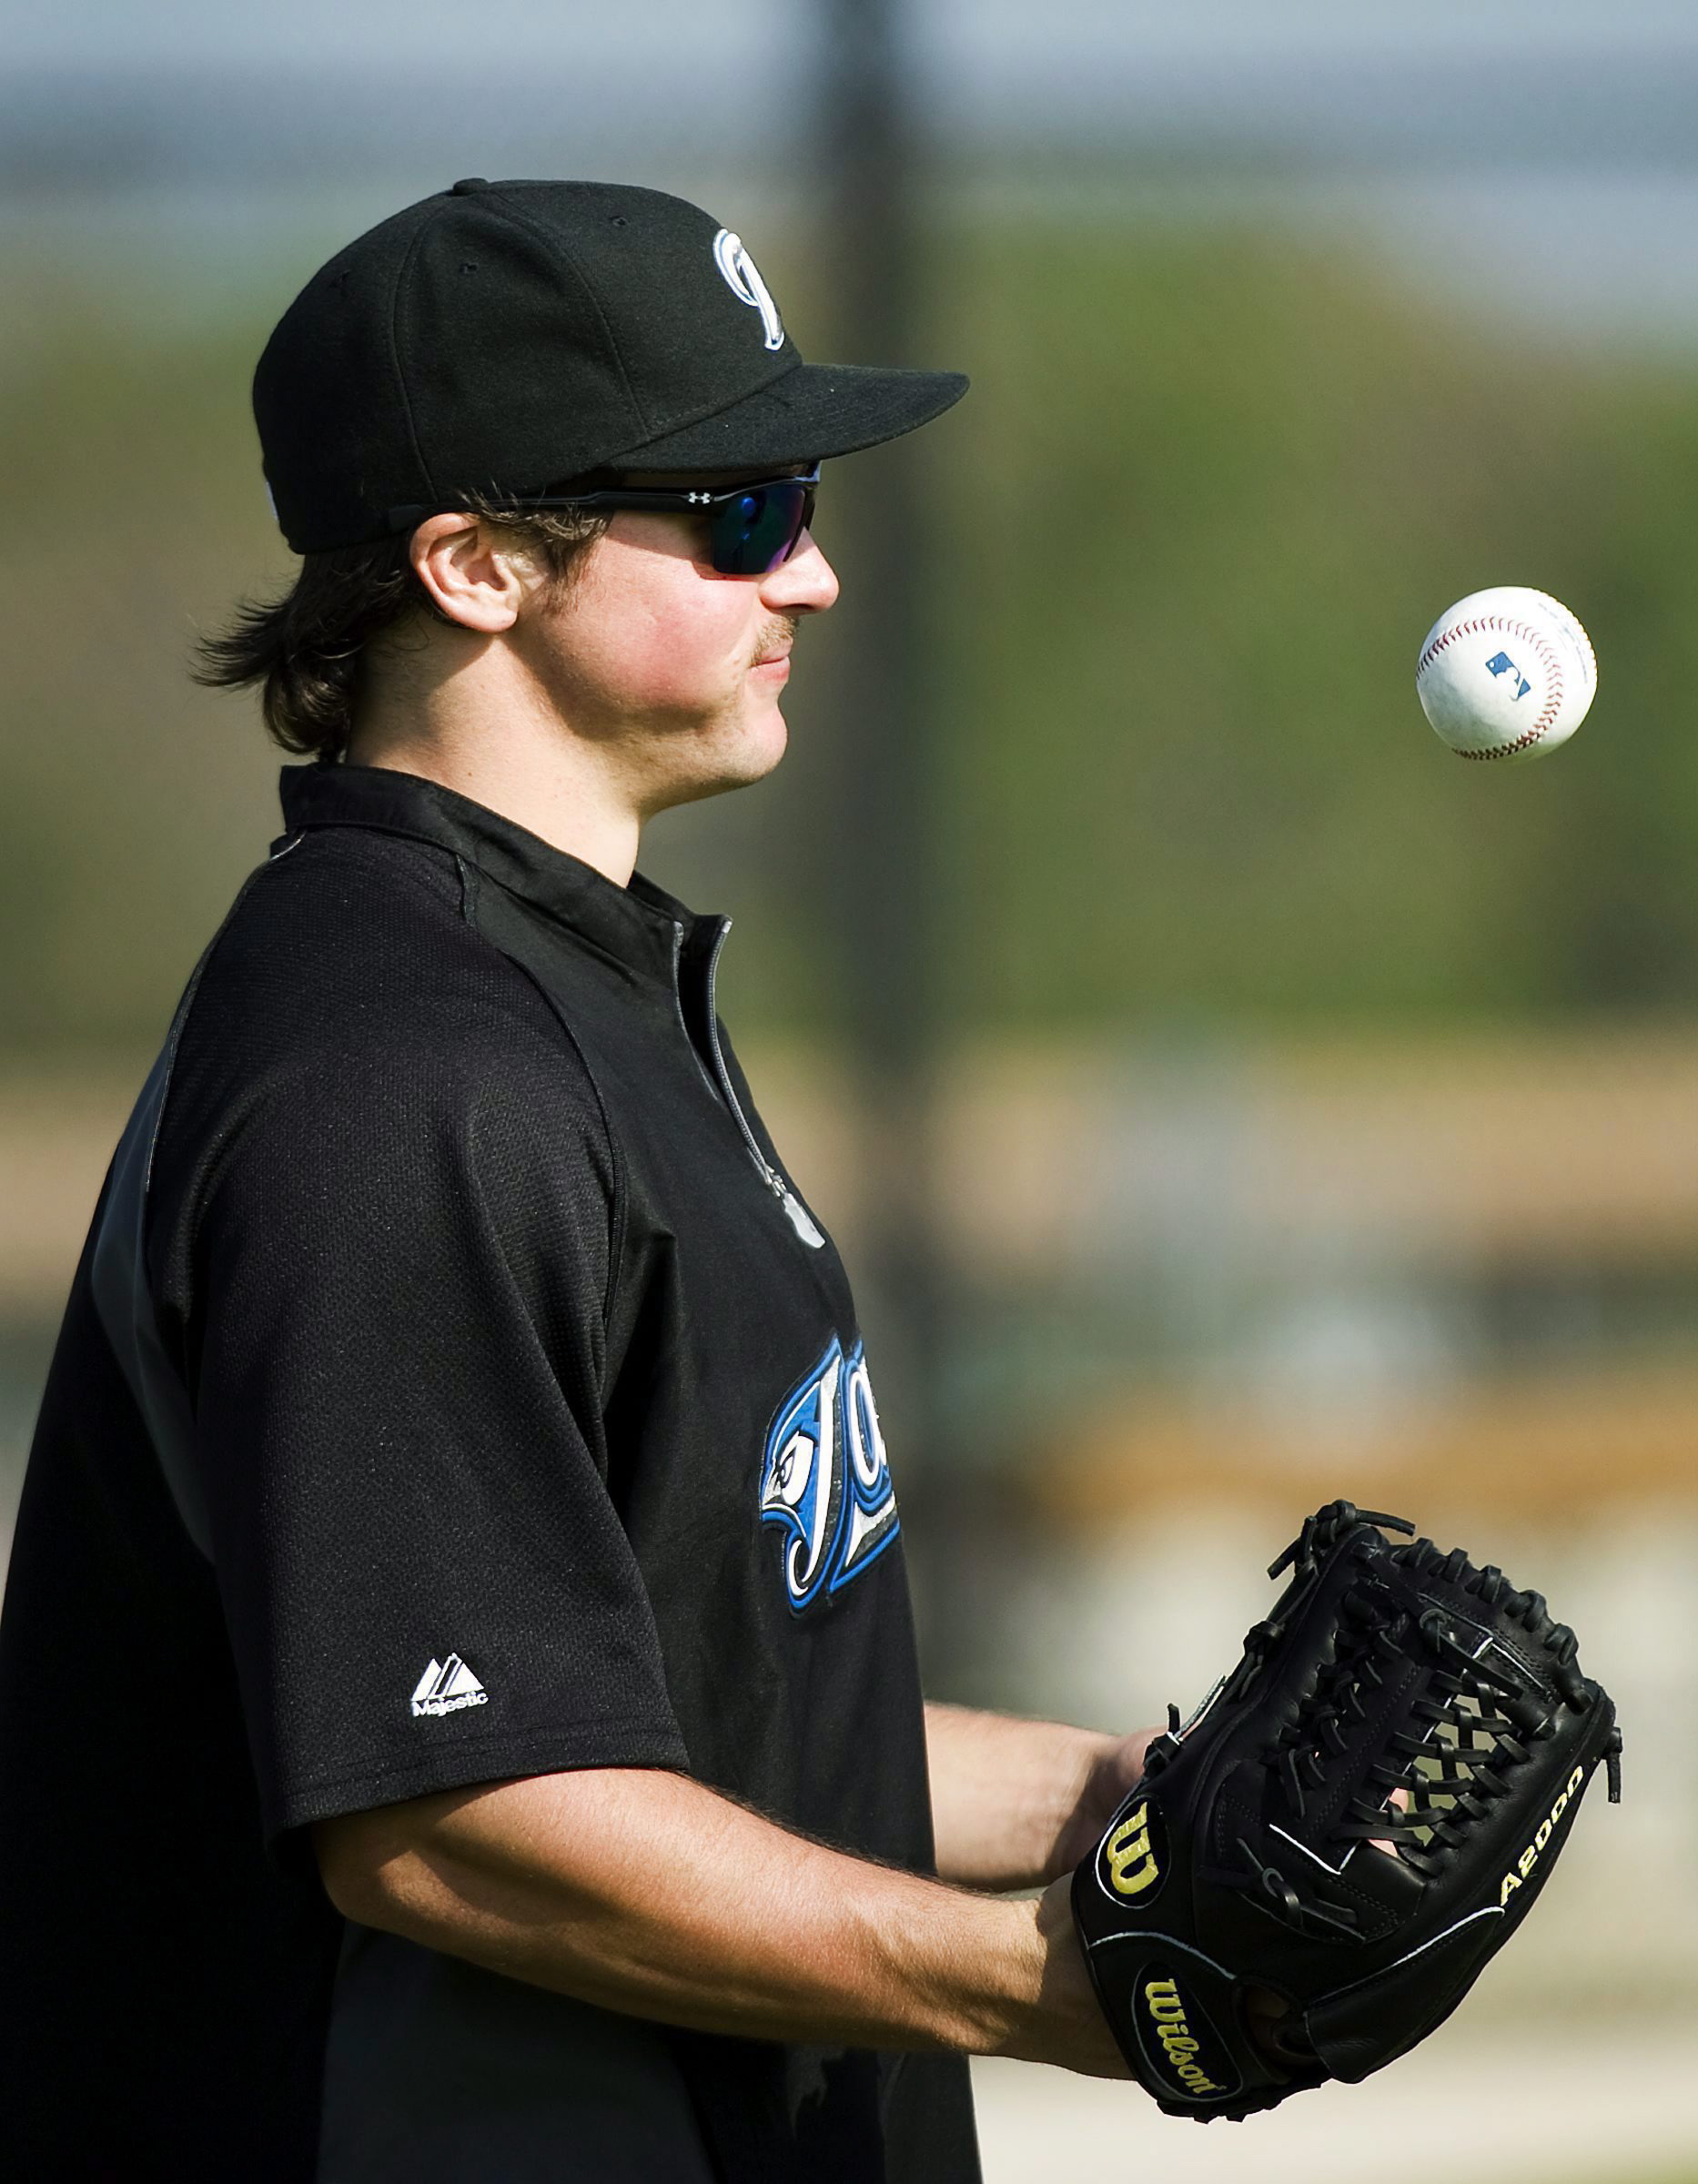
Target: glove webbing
[(1476, 1714)]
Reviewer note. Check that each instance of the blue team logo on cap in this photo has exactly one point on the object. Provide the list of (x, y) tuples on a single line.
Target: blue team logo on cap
[(743, 280), (824, 1478)]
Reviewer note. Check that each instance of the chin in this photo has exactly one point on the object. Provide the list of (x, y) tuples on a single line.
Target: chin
[(755, 748), (737, 759), (769, 743)]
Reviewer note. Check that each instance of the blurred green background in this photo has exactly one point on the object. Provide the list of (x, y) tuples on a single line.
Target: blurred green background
[(1210, 489), (1296, 1111)]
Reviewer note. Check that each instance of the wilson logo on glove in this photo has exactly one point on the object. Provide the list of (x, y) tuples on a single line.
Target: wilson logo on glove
[(1135, 1852), (1170, 2034)]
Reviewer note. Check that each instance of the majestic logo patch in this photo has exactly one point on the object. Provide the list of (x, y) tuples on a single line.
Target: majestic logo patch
[(743, 280), (1179, 2040), (824, 1480), (1134, 1854), (447, 1685)]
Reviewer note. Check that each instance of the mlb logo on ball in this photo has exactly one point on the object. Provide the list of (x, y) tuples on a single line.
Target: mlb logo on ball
[(1500, 663)]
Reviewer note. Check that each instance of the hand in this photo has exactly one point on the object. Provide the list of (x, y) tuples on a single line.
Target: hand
[(1063, 2024), (1115, 1771)]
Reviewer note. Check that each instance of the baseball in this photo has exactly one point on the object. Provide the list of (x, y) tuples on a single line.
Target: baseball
[(1506, 673)]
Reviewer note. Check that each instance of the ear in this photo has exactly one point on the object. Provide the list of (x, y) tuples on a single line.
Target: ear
[(472, 578)]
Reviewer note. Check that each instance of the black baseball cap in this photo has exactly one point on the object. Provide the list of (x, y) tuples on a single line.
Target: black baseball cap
[(505, 337)]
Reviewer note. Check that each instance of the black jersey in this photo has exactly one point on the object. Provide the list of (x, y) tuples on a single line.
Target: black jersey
[(454, 1387)]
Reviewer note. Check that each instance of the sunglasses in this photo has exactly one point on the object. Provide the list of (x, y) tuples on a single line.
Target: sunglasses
[(752, 528)]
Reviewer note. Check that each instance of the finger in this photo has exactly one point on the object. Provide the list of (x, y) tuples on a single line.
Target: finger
[(1400, 1798)]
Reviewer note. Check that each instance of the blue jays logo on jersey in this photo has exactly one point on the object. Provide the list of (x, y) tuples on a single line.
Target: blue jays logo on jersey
[(825, 1478)]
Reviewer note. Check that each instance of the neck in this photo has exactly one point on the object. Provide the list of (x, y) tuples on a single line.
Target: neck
[(492, 737)]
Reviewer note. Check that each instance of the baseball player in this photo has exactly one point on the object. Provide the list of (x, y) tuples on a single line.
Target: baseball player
[(459, 1712)]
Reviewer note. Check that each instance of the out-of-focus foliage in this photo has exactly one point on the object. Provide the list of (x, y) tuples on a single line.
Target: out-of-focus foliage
[(1217, 490), (1209, 490), (131, 803)]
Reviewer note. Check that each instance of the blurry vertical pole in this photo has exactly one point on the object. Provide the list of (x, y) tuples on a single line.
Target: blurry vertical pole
[(881, 851)]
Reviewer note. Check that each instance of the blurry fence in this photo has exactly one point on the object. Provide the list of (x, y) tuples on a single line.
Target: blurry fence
[(1202, 1291), (1199, 1291)]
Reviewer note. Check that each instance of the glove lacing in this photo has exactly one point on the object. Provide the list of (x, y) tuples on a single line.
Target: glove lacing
[(1474, 1721), (1320, 1535)]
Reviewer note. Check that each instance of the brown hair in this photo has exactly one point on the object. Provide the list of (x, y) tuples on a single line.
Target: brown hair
[(305, 647)]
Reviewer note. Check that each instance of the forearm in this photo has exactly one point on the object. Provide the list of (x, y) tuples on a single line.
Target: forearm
[(1014, 1803), (643, 1891)]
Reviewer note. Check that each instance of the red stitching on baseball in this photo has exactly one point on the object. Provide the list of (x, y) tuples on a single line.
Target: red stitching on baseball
[(1553, 696)]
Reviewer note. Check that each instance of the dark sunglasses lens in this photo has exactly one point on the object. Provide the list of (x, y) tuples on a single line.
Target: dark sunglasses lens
[(758, 530)]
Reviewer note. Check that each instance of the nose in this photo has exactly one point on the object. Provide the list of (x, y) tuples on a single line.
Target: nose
[(805, 584)]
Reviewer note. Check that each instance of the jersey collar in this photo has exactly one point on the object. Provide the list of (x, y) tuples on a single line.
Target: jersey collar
[(642, 926)]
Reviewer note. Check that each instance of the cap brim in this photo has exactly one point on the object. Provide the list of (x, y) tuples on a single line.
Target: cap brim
[(816, 410)]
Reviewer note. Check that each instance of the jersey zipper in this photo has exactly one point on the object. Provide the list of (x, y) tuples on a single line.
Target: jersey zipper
[(800, 1218)]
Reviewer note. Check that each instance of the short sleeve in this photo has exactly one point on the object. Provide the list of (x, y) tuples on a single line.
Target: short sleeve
[(395, 1356)]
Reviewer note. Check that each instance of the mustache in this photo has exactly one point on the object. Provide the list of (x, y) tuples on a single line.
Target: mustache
[(777, 636)]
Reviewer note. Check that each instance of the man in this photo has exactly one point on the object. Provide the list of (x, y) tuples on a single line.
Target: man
[(457, 1693)]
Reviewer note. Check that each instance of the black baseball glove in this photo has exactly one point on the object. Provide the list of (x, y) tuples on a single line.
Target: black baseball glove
[(1314, 1870)]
